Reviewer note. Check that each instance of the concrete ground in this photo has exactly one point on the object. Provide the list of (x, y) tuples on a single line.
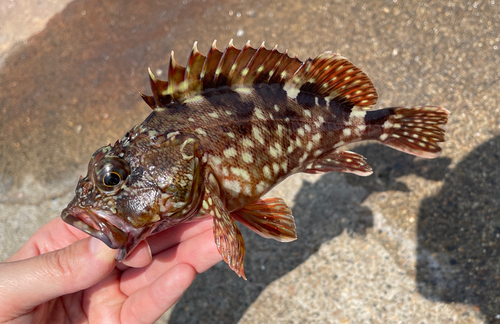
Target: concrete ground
[(416, 242)]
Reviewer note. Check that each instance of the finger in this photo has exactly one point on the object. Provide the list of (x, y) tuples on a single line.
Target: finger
[(140, 257), (200, 252), (33, 281), (176, 234), (102, 303), (54, 235), (149, 303), (164, 240)]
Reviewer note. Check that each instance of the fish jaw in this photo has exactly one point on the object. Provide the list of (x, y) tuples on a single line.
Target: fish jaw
[(107, 228)]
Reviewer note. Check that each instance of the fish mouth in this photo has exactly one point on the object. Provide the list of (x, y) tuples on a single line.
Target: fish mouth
[(97, 225)]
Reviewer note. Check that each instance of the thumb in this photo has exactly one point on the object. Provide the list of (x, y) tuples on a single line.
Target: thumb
[(31, 282)]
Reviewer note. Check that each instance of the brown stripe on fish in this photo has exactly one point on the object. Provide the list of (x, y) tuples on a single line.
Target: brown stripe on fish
[(226, 99), (338, 116), (340, 110), (373, 120), (271, 93), (306, 100), (275, 101), (307, 97)]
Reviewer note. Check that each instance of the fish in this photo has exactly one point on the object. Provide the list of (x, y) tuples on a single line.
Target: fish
[(224, 130)]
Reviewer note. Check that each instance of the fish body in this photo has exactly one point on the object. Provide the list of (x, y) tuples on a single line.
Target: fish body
[(227, 128)]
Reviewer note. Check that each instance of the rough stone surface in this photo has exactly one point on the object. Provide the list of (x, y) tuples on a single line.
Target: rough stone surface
[(416, 242)]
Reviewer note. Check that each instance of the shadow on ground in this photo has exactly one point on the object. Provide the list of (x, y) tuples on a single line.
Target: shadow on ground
[(323, 210), (459, 235)]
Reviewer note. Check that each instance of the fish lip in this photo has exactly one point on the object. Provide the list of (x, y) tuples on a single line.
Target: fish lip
[(95, 225)]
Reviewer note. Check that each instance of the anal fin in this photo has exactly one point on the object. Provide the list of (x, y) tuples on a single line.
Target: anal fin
[(270, 218), (228, 238), (340, 161)]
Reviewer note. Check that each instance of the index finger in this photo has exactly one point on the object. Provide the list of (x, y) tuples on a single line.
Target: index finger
[(54, 235)]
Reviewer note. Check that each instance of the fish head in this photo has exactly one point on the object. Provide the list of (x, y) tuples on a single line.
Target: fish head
[(132, 191)]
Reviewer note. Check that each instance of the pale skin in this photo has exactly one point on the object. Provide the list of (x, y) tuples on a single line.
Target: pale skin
[(61, 275)]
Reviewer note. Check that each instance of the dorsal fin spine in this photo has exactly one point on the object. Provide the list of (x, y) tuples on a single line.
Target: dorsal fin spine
[(193, 69), (191, 59), (210, 67), (222, 60), (152, 81), (204, 68), (192, 55), (176, 80), (258, 66), (236, 62), (276, 66), (271, 54), (250, 67), (240, 64), (149, 100), (267, 65), (327, 75), (171, 70)]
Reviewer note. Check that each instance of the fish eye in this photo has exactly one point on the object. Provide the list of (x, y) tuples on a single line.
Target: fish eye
[(111, 179), (110, 174)]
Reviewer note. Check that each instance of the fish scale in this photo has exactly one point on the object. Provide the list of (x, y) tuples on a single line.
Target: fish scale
[(227, 128)]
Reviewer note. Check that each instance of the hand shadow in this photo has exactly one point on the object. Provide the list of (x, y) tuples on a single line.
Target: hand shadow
[(459, 235), (322, 210)]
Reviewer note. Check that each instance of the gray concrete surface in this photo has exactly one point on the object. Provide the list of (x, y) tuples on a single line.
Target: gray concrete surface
[(417, 242)]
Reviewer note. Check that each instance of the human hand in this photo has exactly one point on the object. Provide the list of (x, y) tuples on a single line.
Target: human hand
[(62, 275)]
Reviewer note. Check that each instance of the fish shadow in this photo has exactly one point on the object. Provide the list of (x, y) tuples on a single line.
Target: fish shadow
[(323, 210), (458, 250)]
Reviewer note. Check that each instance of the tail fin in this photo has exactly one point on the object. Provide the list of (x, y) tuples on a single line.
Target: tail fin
[(415, 130)]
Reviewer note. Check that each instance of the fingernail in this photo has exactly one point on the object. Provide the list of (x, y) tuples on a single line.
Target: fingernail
[(96, 245), (98, 248)]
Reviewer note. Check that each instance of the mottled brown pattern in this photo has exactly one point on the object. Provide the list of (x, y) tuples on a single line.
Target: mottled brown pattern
[(227, 128)]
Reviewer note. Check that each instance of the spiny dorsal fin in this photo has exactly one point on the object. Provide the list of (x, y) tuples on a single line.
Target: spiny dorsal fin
[(328, 75), (176, 72), (193, 70), (210, 66), (267, 66), (226, 62), (238, 69), (160, 95)]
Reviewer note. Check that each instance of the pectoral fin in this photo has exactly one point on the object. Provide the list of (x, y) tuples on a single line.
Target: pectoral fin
[(270, 218), (340, 161), (227, 236)]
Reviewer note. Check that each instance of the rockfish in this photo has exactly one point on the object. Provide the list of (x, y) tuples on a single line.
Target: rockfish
[(226, 129)]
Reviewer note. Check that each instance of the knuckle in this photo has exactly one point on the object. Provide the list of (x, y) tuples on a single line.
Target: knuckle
[(60, 264)]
